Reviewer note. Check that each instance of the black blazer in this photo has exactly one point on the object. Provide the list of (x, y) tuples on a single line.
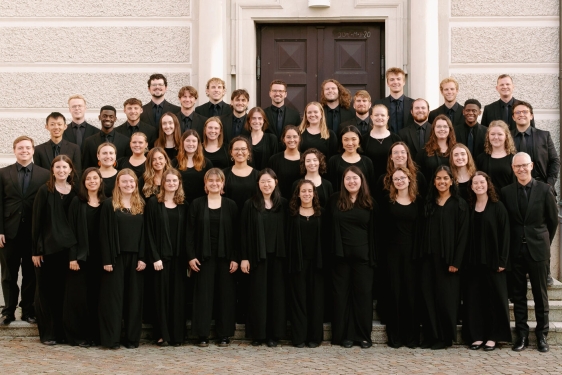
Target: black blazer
[(408, 118), (544, 156), (90, 153), (292, 117), (409, 136), (147, 115), (205, 109), (462, 137), (345, 115), (148, 130), (458, 120), (69, 134), (14, 205), (226, 121), (539, 224), (493, 111), (197, 124), (43, 155), (353, 122)]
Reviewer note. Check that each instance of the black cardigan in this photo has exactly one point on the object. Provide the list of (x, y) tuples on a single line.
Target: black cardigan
[(294, 242), (160, 245), (79, 225)]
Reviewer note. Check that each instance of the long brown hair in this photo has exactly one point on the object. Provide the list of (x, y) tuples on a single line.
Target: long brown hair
[(432, 146), (198, 157), (221, 134), (71, 175), (150, 188), (491, 192), (247, 125), (83, 191), (161, 141), (412, 187), (179, 195), (390, 168), (295, 202), (508, 145), (324, 131), (344, 95), (137, 203), (363, 199), (470, 165)]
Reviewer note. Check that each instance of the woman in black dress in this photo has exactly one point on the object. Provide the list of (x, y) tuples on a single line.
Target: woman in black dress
[(353, 242), (166, 223), (306, 244), (52, 238), (376, 145), (214, 148), (312, 167), (81, 323), (136, 162), (499, 149), (463, 168), (286, 164), (192, 165), (315, 132), (438, 147), (351, 143), (169, 135), (264, 145), (107, 161), (487, 318), (212, 249), (157, 162), (445, 241), (263, 256), (122, 253)]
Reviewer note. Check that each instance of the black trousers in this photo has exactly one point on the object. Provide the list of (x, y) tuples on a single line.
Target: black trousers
[(49, 295), (521, 264), (306, 303), (121, 293), (353, 300), (16, 253), (169, 297), (214, 294)]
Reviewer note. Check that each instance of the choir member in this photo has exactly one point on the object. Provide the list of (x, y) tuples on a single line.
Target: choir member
[(499, 149), (214, 148), (263, 256), (351, 143), (306, 244), (169, 135), (192, 165), (107, 161), (81, 301), (438, 148), (213, 254), (315, 132), (463, 168), (312, 167), (166, 224), (487, 318), (157, 162), (445, 241), (264, 144), (353, 240), (52, 238), (377, 143), (286, 164), (136, 162), (123, 258)]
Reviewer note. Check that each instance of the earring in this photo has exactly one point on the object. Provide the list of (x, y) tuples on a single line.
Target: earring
[(231, 158), (99, 163), (115, 163)]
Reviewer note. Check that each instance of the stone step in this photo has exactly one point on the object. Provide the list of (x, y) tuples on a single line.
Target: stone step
[(555, 313), (554, 291)]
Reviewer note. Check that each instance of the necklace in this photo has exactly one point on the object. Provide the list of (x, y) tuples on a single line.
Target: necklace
[(307, 208), (381, 140), (65, 189)]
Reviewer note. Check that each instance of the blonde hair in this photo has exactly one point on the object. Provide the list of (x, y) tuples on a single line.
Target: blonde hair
[(214, 172), (324, 132), (220, 140), (470, 166), (150, 188), (508, 145), (179, 195), (76, 96), (137, 203), (140, 134), (448, 80), (217, 80)]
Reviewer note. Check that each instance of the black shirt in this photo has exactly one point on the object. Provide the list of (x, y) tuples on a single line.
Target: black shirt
[(130, 230), (214, 218), (396, 113), (174, 220), (93, 222), (24, 175), (238, 125), (269, 227), (309, 227), (186, 121)]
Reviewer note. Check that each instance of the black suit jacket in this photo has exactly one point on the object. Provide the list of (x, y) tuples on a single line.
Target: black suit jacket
[(353, 122), (148, 130), (544, 156), (493, 111), (458, 120), (205, 109), (292, 117), (44, 155), (197, 123), (226, 121), (14, 205), (408, 118), (345, 115), (69, 134), (409, 136), (461, 134), (539, 224), (90, 154), (147, 115)]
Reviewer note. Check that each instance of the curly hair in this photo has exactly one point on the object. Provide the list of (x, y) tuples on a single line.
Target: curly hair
[(491, 192), (412, 187), (322, 169), (344, 96), (295, 202), (508, 145), (432, 146), (137, 203), (390, 167), (363, 199)]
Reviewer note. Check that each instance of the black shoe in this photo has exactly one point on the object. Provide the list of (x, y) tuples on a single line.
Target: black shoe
[(256, 343), (313, 344), (49, 342), (62, 341), (85, 344), (300, 346), (6, 320), (29, 319), (394, 345), (520, 344), (426, 344), (161, 343), (224, 342), (439, 345), (347, 344), (365, 344), (476, 347), (549, 280), (114, 347), (271, 343), (489, 348), (131, 346), (203, 342), (542, 345)]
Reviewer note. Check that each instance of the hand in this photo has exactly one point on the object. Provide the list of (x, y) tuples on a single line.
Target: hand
[(158, 266), (141, 265), (245, 266), (108, 268), (500, 269), (193, 264), (37, 260), (2, 240), (74, 265), (233, 266), (453, 269)]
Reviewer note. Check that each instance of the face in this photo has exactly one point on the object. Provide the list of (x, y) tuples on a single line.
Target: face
[(267, 184), (331, 92), (449, 92), (399, 156), (107, 118), (522, 115), (158, 161), (380, 117), (126, 184), (157, 88), (400, 180), (168, 125), (441, 129), (106, 156), (215, 91), (471, 113), (395, 82), (479, 185), (190, 144), (187, 100), (92, 182), (77, 108), (306, 194), (24, 152), (56, 127), (497, 136), (505, 87), (240, 151), (61, 170), (214, 184), (212, 130), (313, 114), (443, 181), (172, 183), (256, 121), (133, 112), (352, 182), (291, 139), (420, 111), (350, 142), (361, 105), (522, 167), (240, 104), (460, 157), (311, 163), (277, 93), (138, 144)]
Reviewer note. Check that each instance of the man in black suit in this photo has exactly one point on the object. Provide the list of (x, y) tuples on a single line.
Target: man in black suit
[(399, 105), (79, 129), (362, 120), (215, 90), (278, 114), (107, 117), (533, 218), (502, 108), (46, 152), (451, 108), (471, 133), (19, 183), (153, 110), (233, 123), (133, 110), (187, 116), (336, 100), (417, 134)]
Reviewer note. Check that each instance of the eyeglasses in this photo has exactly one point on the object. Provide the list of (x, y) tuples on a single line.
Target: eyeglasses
[(237, 150), (157, 85), (399, 179), (522, 166), (278, 91), (522, 112)]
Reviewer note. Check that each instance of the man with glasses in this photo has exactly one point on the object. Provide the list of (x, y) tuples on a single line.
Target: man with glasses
[(533, 220), (78, 129), (153, 110), (470, 133), (278, 114)]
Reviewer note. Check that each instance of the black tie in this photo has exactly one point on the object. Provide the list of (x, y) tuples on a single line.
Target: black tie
[(157, 114), (25, 180), (133, 130), (279, 121), (451, 114), (78, 135), (57, 151), (523, 200), (214, 110), (363, 127), (506, 113), (335, 120), (237, 126), (421, 134), (186, 124), (470, 141), (108, 138), (523, 143)]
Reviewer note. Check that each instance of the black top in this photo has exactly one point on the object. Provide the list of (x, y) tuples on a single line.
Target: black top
[(174, 221), (328, 146), (93, 224), (240, 189), (126, 163), (171, 152), (109, 184), (306, 240), (130, 230), (324, 190), (309, 227), (499, 170), (402, 221), (463, 189), (85, 224), (193, 180), (428, 164), (269, 224), (219, 158), (165, 230), (489, 236), (263, 150), (354, 225), (336, 167), (287, 171), (378, 152), (214, 224)]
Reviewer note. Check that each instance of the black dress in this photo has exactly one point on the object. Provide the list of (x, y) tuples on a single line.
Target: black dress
[(428, 164), (379, 191), (193, 180), (336, 167), (263, 150), (172, 152), (328, 146), (125, 163), (378, 151), (219, 158), (287, 171), (109, 184), (464, 189), (324, 190), (499, 170)]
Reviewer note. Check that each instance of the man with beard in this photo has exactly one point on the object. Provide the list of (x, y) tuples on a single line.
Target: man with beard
[(336, 100), (153, 110), (449, 89), (417, 134), (278, 114), (398, 104), (215, 90), (79, 129), (187, 116), (471, 133), (362, 120), (107, 117), (133, 110), (233, 123)]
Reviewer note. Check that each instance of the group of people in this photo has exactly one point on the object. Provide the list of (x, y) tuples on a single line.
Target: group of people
[(258, 217)]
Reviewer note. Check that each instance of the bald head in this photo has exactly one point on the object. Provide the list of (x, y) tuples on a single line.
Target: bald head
[(522, 166), (521, 158)]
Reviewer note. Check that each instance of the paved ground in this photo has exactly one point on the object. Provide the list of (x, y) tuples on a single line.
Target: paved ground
[(28, 356)]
